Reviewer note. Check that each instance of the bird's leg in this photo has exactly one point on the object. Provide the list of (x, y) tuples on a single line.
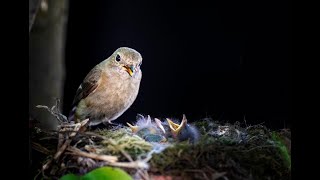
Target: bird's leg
[(109, 123)]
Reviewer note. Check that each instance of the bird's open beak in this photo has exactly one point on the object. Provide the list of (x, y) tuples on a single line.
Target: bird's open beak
[(176, 128), (129, 69)]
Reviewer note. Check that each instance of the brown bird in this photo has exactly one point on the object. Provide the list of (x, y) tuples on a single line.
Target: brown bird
[(109, 89)]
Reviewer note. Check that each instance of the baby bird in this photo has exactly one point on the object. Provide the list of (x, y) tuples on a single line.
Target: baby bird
[(180, 132), (109, 89), (147, 129), (165, 131)]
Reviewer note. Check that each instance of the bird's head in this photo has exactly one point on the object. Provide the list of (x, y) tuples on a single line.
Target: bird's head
[(127, 61)]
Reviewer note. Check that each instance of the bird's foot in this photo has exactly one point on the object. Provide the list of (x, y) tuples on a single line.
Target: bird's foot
[(110, 124)]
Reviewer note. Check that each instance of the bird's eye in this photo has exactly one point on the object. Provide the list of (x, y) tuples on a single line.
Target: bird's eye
[(118, 58), (140, 63)]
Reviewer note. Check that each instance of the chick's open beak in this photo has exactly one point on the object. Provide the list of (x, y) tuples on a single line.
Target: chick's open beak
[(134, 129), (129, 69), (176, 128), (159, 124)]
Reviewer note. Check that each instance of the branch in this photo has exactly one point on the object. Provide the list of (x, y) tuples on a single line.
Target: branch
[(78, 152)]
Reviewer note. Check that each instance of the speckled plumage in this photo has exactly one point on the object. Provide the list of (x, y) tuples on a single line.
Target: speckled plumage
[(109, 89)]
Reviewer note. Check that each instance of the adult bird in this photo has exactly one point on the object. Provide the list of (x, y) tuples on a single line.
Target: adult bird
[(109, 89)]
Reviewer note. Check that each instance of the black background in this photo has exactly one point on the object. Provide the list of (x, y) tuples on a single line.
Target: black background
[(225, 60)]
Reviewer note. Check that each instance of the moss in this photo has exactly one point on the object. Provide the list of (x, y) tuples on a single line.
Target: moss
[(282, 148), (123, 139), (253, 156)]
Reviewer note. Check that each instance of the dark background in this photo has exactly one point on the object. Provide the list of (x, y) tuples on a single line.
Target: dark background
[(225, 60)]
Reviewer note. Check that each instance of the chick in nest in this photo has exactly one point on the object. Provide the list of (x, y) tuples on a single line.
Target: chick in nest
[(147, 129), (162, 131)]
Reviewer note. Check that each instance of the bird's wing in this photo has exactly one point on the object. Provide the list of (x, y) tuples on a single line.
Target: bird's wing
[(89, 85)]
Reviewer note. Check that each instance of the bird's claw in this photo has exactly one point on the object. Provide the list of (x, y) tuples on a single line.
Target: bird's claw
[(109, 123)]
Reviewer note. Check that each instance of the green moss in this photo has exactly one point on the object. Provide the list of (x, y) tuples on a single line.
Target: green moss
[(123, 139), (255, 157), (283, 150)]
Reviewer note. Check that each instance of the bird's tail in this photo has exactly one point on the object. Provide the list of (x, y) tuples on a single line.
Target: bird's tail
[(72, 114)]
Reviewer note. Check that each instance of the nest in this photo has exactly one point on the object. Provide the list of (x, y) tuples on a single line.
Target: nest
[(223, 152)]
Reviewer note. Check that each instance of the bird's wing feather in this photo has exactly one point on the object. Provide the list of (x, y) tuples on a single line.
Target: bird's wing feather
[(89, 84)]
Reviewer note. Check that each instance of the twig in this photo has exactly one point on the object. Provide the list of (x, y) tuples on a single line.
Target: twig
[(259, 147), (76, 151), (149, 156), (144, 174), (109, 160), (46, 166), (60, 138), (94, 134), (134, 164), (61, 116), (47, 138), (40, 148), (112, 142), (58, 116), (42, 172), (54, 110), (75, 145), (61, 149), (218, 175), (35, 177), (66, 144), (211, 169), (245, 122), (124, 153), (199, 171), (257, 136)]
